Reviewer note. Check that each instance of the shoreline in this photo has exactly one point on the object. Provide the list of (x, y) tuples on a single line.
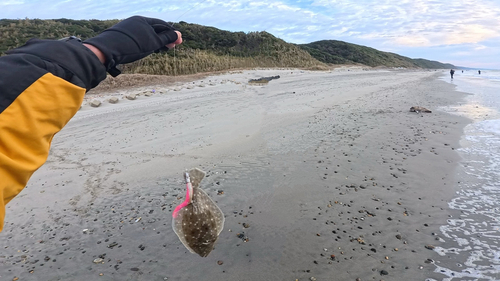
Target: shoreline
[(474, 205), (316, 164)]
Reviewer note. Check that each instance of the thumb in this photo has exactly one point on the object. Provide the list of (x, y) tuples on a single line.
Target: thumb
[(177, 42), (166, 34)]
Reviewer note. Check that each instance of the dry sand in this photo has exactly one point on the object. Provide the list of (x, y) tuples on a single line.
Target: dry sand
[(332, 175)]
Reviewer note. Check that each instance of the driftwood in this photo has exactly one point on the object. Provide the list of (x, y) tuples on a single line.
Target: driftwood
[(263, 80), (419, 109)]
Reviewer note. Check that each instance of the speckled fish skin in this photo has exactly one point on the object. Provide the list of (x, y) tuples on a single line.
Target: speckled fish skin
[(199, 223)]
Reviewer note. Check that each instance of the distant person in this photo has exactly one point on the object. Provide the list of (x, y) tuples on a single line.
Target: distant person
[(42, 85), (479, 71), (451, 73), (462, 71)]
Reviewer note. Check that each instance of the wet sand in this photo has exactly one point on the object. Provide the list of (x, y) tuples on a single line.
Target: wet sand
[(321, 176)]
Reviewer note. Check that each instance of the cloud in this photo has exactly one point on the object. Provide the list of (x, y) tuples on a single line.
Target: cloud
[(419, 22), (11, 2), (471, 34), (480, 47)]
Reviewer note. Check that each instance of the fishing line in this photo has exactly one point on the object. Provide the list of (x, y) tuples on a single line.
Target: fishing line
[(175, 64), (175, 69), (173, 23), (268, 198), (192, 7)]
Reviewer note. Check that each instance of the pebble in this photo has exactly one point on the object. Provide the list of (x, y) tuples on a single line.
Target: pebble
[(312, 278), (430, 247), (220, 262), (383, 272), (98, 260), (95, 103), (131, 96)]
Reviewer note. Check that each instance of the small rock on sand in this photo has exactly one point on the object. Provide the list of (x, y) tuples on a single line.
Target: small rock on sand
[(95, 103), (131, 96), (113, 100), (430, 247)]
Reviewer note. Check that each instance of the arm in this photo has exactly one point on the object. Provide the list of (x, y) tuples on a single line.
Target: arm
[(96, 52), (39, 93), (42, 85), (102, 57)]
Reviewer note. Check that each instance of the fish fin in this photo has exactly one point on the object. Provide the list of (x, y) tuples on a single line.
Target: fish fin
[(196, 175)]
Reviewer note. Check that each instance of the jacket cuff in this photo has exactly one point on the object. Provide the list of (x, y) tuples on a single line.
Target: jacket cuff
[(81, 65)]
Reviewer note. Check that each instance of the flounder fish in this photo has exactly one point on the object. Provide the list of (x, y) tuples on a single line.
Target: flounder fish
[(197, 221)]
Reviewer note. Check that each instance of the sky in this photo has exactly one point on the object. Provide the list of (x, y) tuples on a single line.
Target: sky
[(462, 32)]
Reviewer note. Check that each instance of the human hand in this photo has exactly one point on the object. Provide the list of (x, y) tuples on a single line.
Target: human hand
[(132, 39), (179, 41)]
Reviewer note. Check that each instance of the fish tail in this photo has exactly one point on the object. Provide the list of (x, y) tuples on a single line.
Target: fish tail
[(196, 175)]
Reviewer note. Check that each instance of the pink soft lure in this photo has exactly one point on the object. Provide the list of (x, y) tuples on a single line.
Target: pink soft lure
[(197, 221)]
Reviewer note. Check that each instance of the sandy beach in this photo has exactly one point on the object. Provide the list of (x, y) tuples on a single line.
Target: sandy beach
[(320, 175)]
